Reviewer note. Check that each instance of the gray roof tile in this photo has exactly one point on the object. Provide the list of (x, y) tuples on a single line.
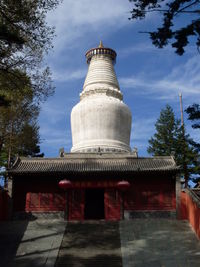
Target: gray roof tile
[(96, 163)]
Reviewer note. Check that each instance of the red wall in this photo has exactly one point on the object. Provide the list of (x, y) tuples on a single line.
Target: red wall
[(36, 195), (4, 198), (151, 194), (146, 193), (190, 211), (45, 201)]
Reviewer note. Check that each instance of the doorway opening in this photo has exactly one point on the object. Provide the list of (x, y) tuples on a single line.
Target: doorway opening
[(94, 204)]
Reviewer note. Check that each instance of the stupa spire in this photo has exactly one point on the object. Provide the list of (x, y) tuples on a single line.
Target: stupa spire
[(101, 76), (101, 44)]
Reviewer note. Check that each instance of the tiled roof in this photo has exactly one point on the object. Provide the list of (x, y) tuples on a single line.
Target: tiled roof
[(77, 163)]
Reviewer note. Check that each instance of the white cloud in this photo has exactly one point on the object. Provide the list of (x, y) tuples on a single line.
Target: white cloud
[(54, 137), (132, 82), (74, 19), (52, 113), (142, 130), (185, 79), (68, 75), (54, 122), (47, 130), (137, 48), (78, 24)]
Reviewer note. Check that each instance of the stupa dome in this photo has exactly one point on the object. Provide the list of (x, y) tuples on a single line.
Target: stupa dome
[(101, 121)]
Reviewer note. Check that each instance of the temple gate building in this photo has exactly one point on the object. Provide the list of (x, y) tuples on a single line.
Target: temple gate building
[(101, 178)]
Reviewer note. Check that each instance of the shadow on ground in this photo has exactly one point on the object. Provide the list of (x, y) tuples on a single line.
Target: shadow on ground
[(30, 243), (90, 244), (159, 243), (11, 234)]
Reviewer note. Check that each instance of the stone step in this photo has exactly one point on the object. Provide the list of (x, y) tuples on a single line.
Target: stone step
[(90, 244)]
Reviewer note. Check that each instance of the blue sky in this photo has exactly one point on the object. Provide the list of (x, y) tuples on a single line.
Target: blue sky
[(149, 77)]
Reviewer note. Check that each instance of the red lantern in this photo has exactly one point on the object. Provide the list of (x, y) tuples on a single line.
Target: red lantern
[(123, 185), (65, 184)]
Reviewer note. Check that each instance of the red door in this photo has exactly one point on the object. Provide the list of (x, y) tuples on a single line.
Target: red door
[(112, 204), (76, 205)]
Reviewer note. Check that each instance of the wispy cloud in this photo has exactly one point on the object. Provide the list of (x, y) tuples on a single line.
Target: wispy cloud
[(142, 130), (68, 75), (74, 19), (55, 126), (137, 48), (54, 137), (78, 25), (184, 78), (52, 113)]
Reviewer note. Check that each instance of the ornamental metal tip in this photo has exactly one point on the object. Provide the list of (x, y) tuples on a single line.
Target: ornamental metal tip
[(101, 44)]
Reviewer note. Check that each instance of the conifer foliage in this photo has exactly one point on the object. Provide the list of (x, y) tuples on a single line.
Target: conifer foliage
[(25, 37), (181, 22), (193, 112), (25, 81), (19, 131), (170, 139), (194, 115), (164, 140)]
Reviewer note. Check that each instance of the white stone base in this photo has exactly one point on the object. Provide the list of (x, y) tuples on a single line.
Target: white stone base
[(104, 146)]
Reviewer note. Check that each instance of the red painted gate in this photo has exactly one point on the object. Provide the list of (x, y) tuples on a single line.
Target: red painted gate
[(112, 204), (76, 205)]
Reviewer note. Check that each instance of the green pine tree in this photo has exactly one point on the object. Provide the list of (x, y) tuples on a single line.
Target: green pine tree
[(19, 131), (193, 112), (171, 139), (163, 141), (25, 37)]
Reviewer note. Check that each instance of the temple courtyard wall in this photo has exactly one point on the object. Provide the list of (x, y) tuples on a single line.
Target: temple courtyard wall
[(149, 194)]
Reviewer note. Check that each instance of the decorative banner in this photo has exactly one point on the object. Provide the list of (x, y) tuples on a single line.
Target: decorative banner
[(95, 184)]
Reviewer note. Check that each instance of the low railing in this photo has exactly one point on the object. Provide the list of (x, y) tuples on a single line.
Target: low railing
[(190, 208), (196, 193)]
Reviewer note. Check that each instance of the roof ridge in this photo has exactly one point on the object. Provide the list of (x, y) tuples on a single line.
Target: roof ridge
[(35, 165), (124, 156)]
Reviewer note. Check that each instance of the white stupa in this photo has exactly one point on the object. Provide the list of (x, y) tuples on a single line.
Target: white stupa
[(101, 121)]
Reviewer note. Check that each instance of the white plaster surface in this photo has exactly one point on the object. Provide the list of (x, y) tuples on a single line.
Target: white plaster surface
[(101, 120), (101, 70)]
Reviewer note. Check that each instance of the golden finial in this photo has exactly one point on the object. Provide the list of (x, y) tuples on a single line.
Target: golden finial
[(101, 44)]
